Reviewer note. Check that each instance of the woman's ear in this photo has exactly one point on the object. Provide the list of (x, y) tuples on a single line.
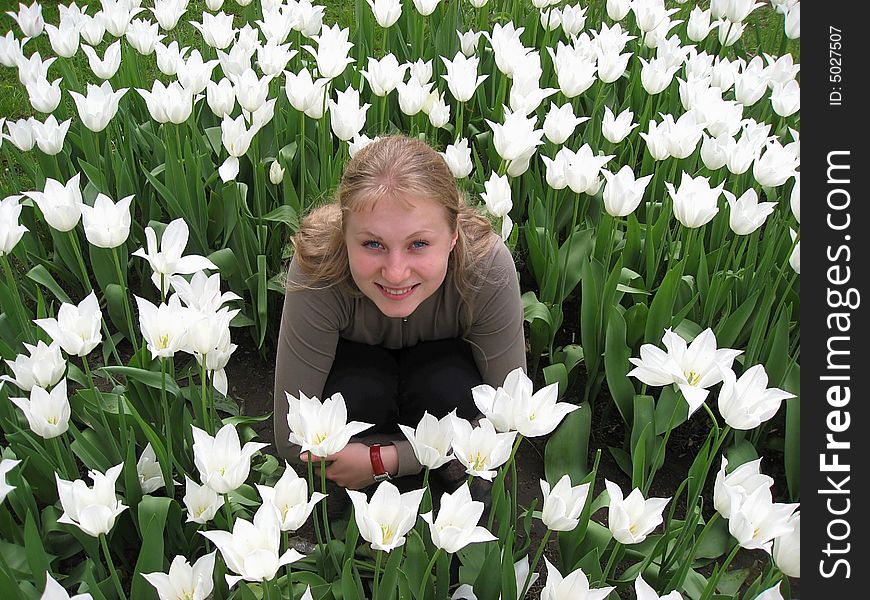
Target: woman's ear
[(455, 238)]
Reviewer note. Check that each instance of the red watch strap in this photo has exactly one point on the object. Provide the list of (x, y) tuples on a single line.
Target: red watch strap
[(377, 463)]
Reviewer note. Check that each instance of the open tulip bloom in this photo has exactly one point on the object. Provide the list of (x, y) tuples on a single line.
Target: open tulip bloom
[(481, 449), (183, 580), (77, 327), (632, 518), (574, 586), (223, 463), (321, 428), (47, 413), (387, 517), (431, 440), (745, 480), (253, 548), (747, 402), (201, 501), (91, 509), (290, 498), (694, 368), (168, 260), (456, 525)]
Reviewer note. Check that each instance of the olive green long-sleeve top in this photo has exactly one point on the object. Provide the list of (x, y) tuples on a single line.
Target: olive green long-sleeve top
[(316, 317)]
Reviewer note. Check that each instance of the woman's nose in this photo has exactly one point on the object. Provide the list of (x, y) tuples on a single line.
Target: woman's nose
[(396, 270)]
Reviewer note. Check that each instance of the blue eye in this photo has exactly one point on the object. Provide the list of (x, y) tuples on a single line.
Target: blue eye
[(419, 244), (372, 244)]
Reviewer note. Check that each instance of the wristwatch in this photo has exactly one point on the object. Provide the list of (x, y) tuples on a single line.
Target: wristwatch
[(378, 471)]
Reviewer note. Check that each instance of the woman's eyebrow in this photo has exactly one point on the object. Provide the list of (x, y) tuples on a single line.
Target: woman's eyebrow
[(371, 234)]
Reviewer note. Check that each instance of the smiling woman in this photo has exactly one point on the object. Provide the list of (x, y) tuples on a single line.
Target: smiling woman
[(401, 298)]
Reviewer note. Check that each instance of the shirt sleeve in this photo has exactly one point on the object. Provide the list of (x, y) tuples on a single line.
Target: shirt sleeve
[(496, 334), (310, 322)]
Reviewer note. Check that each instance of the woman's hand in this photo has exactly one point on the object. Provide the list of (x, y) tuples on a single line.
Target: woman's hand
[(351, 468)]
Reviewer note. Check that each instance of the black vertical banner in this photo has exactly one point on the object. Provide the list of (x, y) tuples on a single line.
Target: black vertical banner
[(834, 288)]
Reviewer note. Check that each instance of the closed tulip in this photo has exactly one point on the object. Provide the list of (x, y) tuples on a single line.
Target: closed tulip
[(574, 73), (44, 96), (497, 195), (786, 98), (413, 95), (616, 129), (29, 19), (11, 231), (584, 169), (93, 29), (456, 525), (792, 22), (386, 12), (169, 58), (747, 402), (699, 25), (332, 51), (695, 202), (656, 138), (481, 449), (462, 78), (431, 439), (633, 518), (458, 158), (47, 413), (387, 517), (574, 586), (236, 137), (563, 504), (305, 94), (437, 109), (290, 498), (253, 548), (276, 173), (77, 327), (560, 122), (623, 193), (426, 7), (168, 12), (11, 49), (656, 76), (421, 70), (217, 30), (33, 67), (556, 167), (787, 548), (468, 42), (618, 9), (106, 67), (795, 198), (321, 428), (223, 463), (201, 501), (107, 224), (20, 133), (183, 580), (50, 135), (98, 106), (775, 166), (715, 151), (195, 74), (346, 115), (143, 35), (148, 470), (221, 97), (794, 260), (747, 213), (43, 366), (64, 38), (91, 509)]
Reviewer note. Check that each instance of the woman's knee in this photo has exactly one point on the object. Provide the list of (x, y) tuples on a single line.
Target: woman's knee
[(437, 377), (367, 378)]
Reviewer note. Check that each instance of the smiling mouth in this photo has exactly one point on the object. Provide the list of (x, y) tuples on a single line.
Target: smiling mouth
[(397, 293)]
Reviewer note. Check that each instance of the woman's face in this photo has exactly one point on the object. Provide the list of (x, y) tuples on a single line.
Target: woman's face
[(398, 252)]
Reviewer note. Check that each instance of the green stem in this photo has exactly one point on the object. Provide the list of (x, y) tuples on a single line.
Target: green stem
[(711, 584), (617, 548), (123, 283), (167, 420), (427, 572), (535, 562), (114, 574), (207, 422), (228, 511), (102, 414), (376, 580), (24, 326), (500, 480), (323, 510)]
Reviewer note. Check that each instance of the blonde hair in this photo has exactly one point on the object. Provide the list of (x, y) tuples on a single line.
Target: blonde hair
[(401, 167)]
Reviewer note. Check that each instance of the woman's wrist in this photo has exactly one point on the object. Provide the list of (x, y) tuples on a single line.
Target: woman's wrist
[(390, 458)]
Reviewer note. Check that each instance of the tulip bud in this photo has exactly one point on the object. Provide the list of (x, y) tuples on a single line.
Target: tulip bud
[(563, 504), (276, 173), (458, 158)]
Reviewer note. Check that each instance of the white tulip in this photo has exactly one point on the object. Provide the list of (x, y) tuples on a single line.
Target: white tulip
[(195, 74), (560, 122), (616, 129), (747, 213), (201, 501), (633, 518), (563, 504), (386, 12), (221, 97), (106, 67), (91, 509), (431, 439), (217, 30), (321, 428), (107, 224), (223, 463), (623, 193), (55, 591), (695, 202), (462, 78), (148, 470), (795, 198), (43, 366), (481, 449), (305, 94), (6, 465), (387, 517), (468, 42), (77, 327), (253, 549), (29, 19), (332, 51), (183, 580), (756, 520), (98, 106), (794, 260), (645, 591), (143, 35), (747, 402), (289, 496), (347, 117), (456, 525), (740, 482), (47, 413), (44, 96), (787, 548), (163, 327), (20, 133), (458, 158), (574, 586)]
